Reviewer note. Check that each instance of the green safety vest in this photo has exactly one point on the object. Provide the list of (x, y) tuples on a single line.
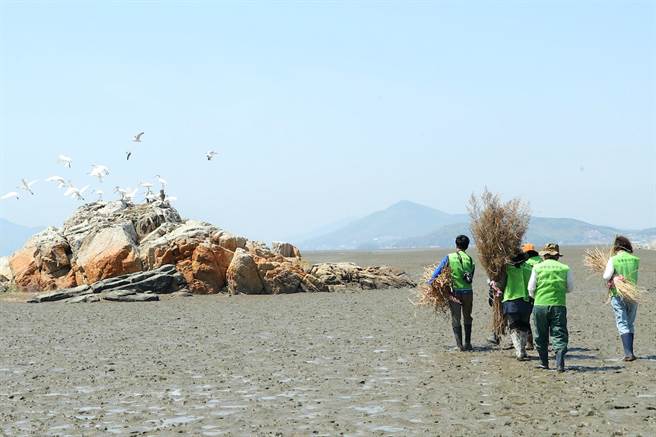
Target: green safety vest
[(551, 287), (625, 264), (457, 269), (534, 260), (517, 282)]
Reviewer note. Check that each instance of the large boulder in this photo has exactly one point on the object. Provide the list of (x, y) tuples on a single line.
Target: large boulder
[(43, 263), (285, 249), (242, 274), (110, 252)]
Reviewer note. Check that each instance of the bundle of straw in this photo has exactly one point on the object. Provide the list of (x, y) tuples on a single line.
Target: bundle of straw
[(436, 294), (498, 229), (595, 260)]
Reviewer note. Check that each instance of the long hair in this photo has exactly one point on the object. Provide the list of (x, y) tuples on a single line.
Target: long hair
[(622, 243)]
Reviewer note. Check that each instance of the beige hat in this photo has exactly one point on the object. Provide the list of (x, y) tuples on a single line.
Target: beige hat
[(550, 249)]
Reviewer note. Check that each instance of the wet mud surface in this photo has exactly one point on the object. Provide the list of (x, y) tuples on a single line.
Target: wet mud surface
[(358, 363)]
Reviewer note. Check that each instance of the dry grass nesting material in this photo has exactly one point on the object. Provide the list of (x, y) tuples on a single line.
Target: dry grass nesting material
[(498, 229), (437, 294), (595, 260)]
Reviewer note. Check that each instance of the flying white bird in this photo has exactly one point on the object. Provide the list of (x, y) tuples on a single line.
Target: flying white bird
[(147, 186), (99, 171), (161, 181), (27, 186), (66, 160), (10, 195), (76, 192), (60, 181), (137, 137), (211, 154)]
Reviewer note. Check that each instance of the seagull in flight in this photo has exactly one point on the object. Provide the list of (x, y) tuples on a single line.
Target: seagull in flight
[(127, 155), (147, 186), (27, 186), (60, 181), (76, 192), (137, 137), (211, 154), (99, 171), (126, 194), (10, 195), (66, 160)]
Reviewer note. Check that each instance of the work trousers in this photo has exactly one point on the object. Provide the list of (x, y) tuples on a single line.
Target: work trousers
[(550, 321), (625, 314), (462, 309)]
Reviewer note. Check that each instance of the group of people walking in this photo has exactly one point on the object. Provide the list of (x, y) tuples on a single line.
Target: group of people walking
[(537, 283)]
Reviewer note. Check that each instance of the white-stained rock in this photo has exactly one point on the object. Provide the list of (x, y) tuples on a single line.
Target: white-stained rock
[(242, 274)]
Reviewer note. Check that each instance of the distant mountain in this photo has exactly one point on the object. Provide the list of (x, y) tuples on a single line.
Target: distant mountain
[(13, 236), (384, 228), (410, 225)]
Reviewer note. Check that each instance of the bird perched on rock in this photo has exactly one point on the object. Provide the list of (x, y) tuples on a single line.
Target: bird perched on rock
[(161, 181), (99, 193), (65, 160), (211, 154), (27, 186), (9, 195)]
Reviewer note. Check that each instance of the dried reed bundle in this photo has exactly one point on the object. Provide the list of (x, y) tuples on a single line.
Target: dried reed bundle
[(498, 229), (595, 261), (436, 294)]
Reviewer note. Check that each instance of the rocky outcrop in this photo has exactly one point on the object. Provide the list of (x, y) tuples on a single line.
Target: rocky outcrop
[(122, 248), (5, 271), (163, 280)]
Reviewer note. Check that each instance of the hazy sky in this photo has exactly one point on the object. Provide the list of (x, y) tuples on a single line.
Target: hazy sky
[(328, 110)]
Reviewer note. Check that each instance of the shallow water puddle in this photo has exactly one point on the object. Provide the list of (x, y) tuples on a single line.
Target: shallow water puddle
[(370, 409)]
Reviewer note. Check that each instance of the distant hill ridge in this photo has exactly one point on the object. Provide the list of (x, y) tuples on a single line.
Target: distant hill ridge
[(12, 236), (411, 225)]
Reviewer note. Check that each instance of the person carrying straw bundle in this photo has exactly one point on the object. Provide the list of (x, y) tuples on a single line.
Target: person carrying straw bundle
[(549, 284), (462, 275), (532, 258), (623, 265)]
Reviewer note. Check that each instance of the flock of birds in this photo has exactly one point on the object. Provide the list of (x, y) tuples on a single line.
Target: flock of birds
[(99, 171)]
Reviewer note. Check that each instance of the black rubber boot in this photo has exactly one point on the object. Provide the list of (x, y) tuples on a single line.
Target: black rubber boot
[(560, 360), (627, 343), (457, 332), (544, 359), (468, 345)]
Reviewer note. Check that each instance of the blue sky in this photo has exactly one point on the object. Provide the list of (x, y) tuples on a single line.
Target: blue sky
[(327, 110)]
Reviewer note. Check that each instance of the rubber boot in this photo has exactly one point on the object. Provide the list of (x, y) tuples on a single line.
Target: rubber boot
[(560, 360), (529, 340), (627, 343), (468, 345), (523, 336), (457, 332), (514, 336), (544, 359), (493, 339)]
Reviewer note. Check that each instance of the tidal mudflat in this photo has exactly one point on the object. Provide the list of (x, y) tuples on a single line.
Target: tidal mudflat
[(358, 363)]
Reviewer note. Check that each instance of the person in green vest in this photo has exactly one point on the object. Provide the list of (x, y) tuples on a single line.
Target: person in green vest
[(462, 272), (516, 302), (532, 258), (623, 264), (549, 284)]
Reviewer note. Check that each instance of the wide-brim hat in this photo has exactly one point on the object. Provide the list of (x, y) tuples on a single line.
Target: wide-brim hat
[(550, 249)]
